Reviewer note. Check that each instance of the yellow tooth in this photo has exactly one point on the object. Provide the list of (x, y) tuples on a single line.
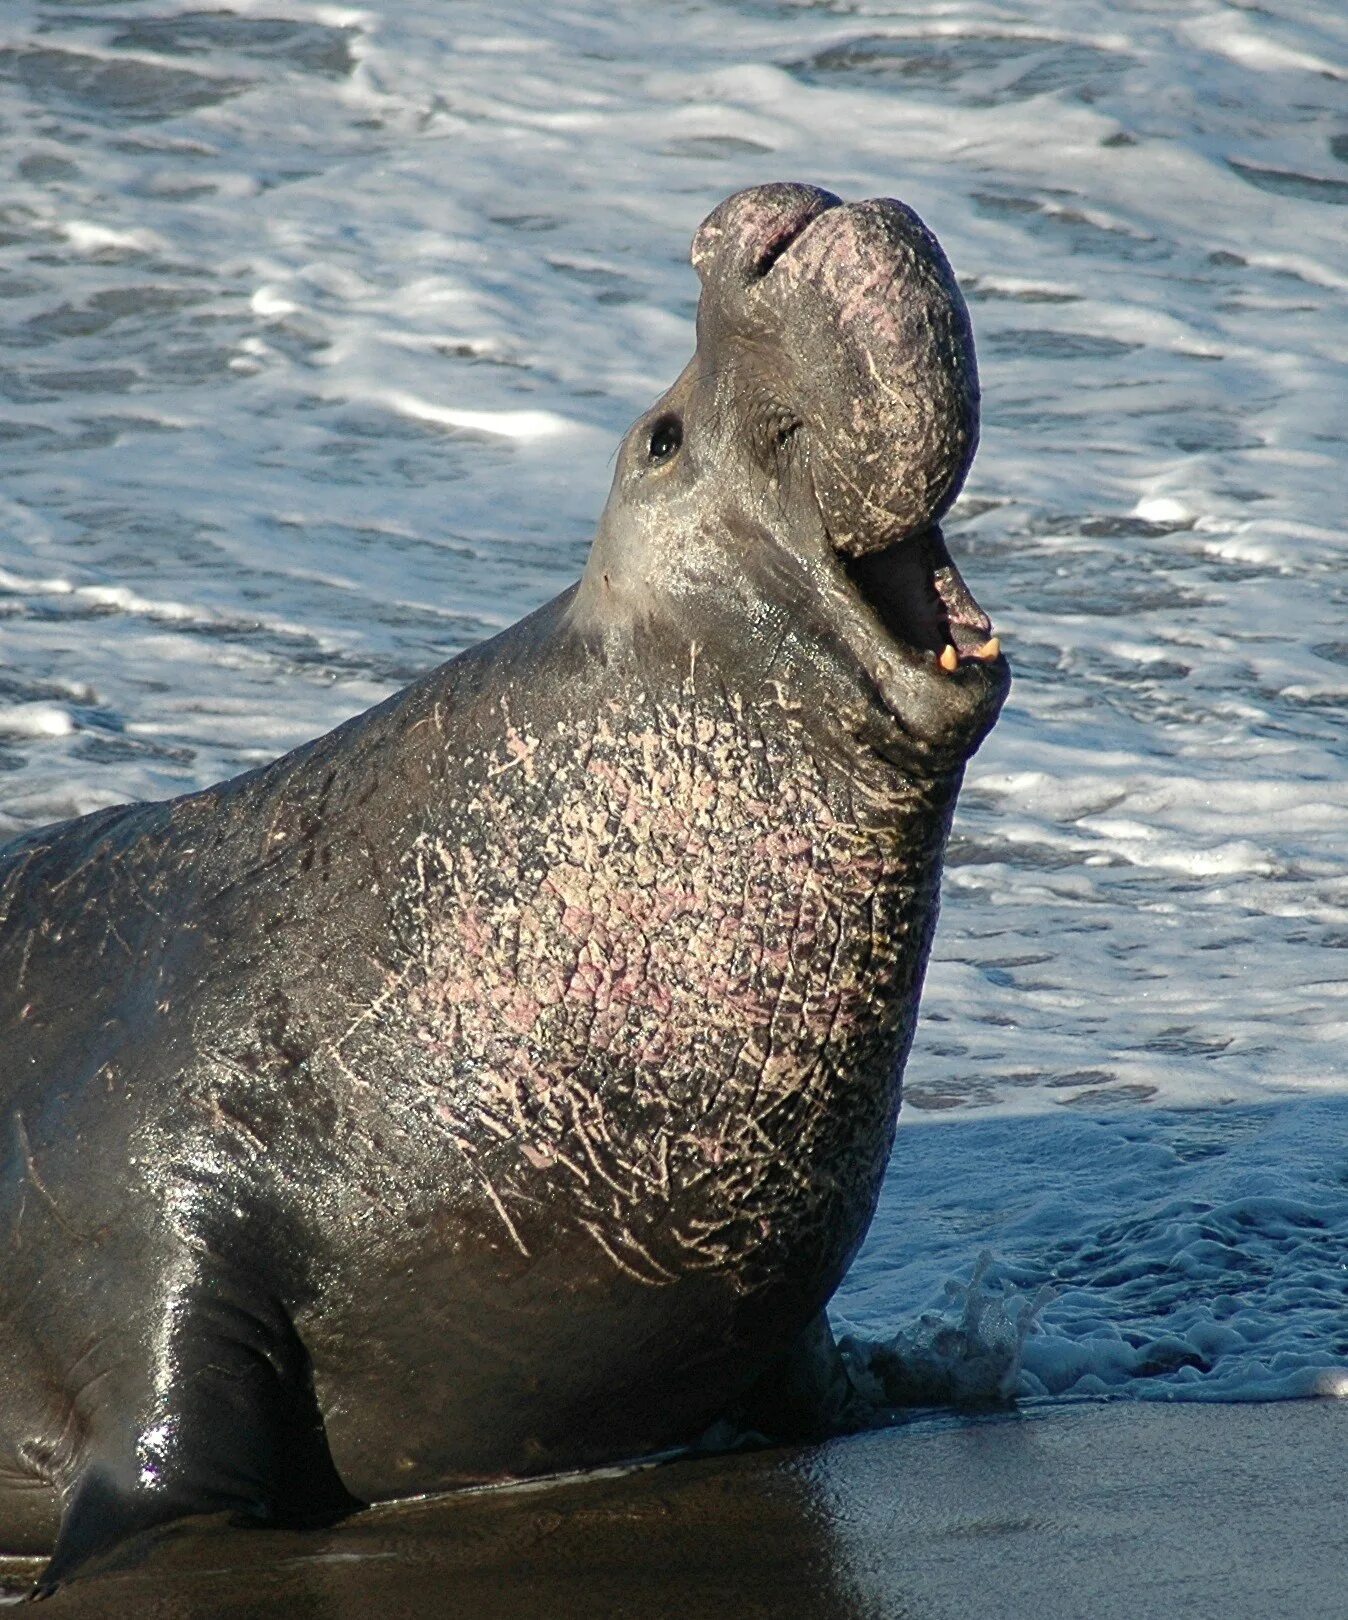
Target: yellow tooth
[(989, 650), (950, 659)]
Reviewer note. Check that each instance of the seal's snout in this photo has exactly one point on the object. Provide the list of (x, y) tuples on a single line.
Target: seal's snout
[(854, 310)]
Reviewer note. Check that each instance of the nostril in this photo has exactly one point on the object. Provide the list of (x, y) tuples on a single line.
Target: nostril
[(786, 233), (769, 255), (744, 238)]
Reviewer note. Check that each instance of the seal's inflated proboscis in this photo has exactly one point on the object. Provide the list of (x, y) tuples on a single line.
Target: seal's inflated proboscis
[(503, 1082)]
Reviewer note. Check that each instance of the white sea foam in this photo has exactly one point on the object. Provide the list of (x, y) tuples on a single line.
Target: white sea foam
[(1190, 1253), (322, 336), (35, 720), (88, 236), (503, 424)]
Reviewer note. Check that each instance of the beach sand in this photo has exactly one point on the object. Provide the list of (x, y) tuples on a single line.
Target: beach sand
[(1130, 1509)]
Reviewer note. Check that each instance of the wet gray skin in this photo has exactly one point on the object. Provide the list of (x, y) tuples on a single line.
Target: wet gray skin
[(503, 1082)]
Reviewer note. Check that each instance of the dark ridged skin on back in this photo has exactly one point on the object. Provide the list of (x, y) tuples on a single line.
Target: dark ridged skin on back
[(504, 1081)]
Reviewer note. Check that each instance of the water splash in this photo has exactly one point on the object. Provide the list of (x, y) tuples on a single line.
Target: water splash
[(969, 1358)]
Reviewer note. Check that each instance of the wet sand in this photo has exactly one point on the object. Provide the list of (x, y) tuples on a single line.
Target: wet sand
[(1121, 1510)]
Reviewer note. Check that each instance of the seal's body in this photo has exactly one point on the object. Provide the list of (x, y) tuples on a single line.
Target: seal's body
[(503, 1082)]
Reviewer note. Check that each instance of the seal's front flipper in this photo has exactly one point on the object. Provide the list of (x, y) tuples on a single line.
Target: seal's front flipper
[(806, 1394), (215, 1412)]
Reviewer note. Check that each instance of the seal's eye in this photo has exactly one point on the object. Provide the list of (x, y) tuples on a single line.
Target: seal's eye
[(666, 437)]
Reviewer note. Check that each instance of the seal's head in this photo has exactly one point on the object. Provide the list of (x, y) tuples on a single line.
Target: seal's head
[(786, 491)]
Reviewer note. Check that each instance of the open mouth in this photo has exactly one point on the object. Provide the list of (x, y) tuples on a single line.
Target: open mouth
[(918, 595)]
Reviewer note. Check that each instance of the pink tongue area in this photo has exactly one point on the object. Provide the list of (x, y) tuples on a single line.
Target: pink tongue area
[(969, 625)]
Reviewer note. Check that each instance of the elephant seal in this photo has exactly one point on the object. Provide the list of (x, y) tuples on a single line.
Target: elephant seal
[(502, 1083)]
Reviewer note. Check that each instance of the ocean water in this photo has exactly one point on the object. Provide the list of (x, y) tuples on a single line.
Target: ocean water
[(321, 322)]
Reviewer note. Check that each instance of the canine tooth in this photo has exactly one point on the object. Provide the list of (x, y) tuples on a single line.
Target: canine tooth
[(950, 659), (989, 650)]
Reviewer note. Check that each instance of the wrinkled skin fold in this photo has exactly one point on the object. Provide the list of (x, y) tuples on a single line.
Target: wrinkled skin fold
[(503, 1082)]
